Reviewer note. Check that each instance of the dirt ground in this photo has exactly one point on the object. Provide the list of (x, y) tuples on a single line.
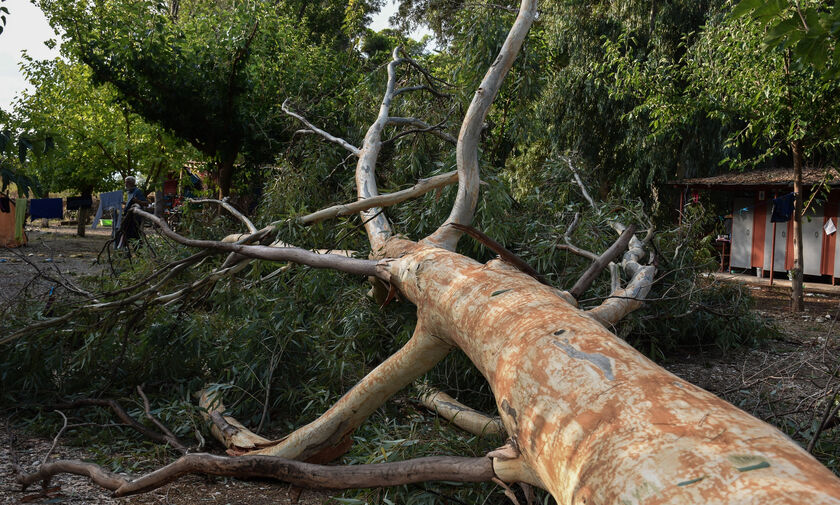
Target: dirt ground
[(56, 252), (784, 380)]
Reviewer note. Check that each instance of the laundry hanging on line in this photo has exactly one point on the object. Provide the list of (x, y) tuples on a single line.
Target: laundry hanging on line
[(109, 201), (783, 208), (20, 218), (79, 202), (46, 208)]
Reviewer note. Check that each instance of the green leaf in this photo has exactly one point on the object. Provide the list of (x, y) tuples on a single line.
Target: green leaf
[(745, 7)]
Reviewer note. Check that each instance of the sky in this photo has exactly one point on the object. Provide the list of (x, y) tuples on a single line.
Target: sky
[(27, 29)]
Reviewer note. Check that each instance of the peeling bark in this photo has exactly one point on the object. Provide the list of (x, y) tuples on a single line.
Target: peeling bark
[(595, 421)]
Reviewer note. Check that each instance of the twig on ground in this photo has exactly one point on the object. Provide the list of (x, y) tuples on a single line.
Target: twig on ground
[(57, 436)]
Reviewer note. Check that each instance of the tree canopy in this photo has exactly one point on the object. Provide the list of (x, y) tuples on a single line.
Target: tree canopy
[(212, 73)]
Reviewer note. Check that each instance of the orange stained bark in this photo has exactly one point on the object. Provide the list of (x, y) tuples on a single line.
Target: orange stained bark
[(596, 421)]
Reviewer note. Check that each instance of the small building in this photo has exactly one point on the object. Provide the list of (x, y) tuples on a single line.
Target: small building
[(757, 244)]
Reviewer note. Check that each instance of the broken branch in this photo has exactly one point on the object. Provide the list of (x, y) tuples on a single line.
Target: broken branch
[(601, 263), (450, 468), (469, 420)]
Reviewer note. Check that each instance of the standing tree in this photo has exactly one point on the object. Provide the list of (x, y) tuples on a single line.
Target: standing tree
[(99, 141), (588, 417), (210, 72), (763, 105)]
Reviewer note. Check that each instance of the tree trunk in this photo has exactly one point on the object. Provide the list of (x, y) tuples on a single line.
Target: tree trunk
[(797, 300), (226, 173), (82, 221), (158, 201), (594, 420), (83, 215)]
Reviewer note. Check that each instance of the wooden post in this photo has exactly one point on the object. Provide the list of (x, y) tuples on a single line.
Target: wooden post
[(773, 246)]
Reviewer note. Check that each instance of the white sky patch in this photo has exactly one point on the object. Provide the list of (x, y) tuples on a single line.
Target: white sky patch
[(26, 29), (380, 21)]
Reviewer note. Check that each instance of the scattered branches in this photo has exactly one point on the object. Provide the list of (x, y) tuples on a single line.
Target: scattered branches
[(166, 437)]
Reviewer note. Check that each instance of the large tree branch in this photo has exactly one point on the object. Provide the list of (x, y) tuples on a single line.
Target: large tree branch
[(329, 436), (451, 468), (422, 187), (293, 254), (376, 224), (625, 300), (467, 149)]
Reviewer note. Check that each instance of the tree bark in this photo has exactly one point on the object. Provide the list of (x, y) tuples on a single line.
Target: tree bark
[(797, 299), (83, 215), (594, 420), (226, 173)]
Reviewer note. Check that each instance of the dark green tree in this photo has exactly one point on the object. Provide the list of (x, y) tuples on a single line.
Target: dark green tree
[(213, 73)]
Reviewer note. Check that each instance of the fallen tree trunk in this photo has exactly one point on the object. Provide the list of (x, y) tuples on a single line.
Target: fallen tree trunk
[(589, 418), (594, 420)]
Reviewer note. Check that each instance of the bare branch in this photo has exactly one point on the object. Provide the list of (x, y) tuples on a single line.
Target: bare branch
[(230, 208), (581, 185), (300, 474), (468, 139), (422, 187), (293, 254), (376, 224), (567, 237), (314, 129), (57, 436), (422, 127), (599, 264)]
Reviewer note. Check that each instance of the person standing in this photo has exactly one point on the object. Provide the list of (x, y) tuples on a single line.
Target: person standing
[(130, 228)]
